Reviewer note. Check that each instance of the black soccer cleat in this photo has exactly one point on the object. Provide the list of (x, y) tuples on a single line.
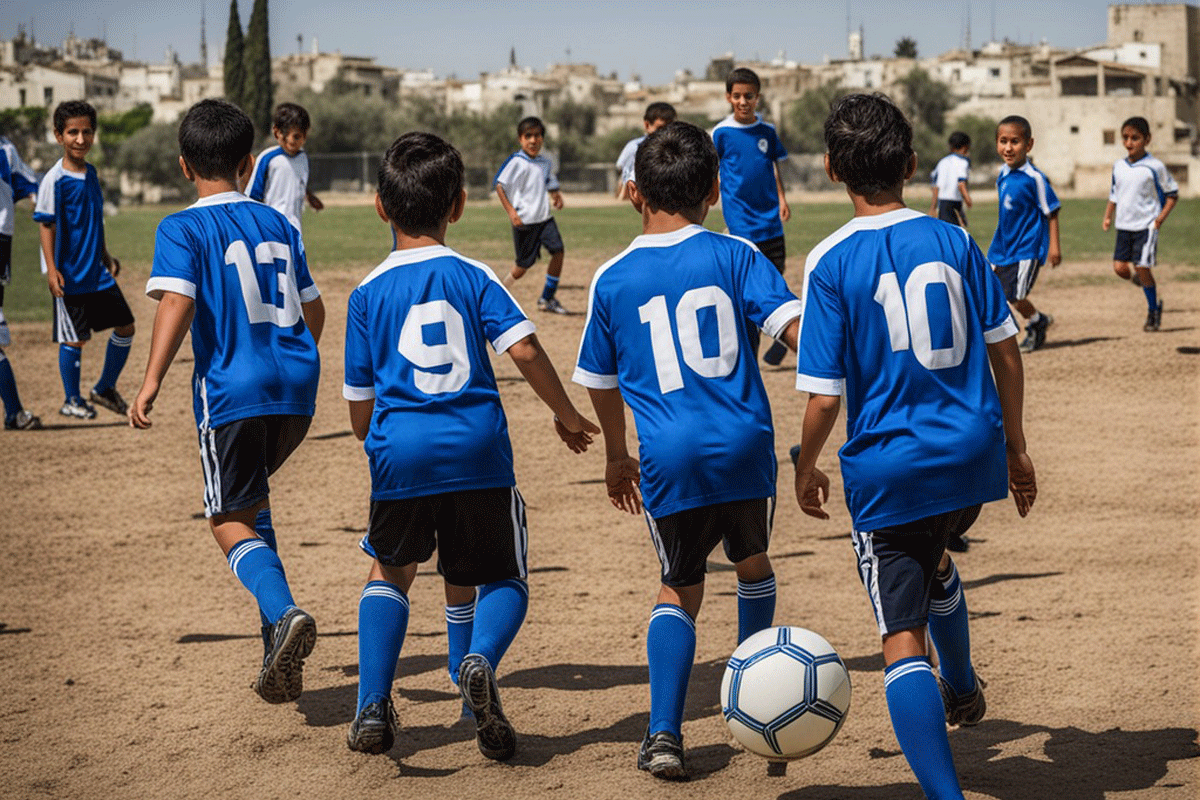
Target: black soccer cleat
[(374, 729), (1154, 318), (661, 754), (281, 679), (477, 684), (111, 399), (958, 543), (967, 710), (1035, 333)]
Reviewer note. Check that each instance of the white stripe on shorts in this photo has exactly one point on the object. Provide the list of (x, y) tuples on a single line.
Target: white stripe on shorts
[(656, 540), (520, 533), (208, 458), (1026, 270), (1149, 250), (868, 568), (64, 329)]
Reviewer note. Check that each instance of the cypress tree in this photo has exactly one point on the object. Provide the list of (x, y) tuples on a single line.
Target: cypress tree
[(259, 100), (235, 68)]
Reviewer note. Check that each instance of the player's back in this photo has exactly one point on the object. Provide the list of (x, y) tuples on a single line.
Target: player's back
[(245, 268), (418, 330)]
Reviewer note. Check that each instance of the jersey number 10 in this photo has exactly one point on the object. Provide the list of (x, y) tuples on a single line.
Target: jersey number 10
[(907, 314), (687, 322)]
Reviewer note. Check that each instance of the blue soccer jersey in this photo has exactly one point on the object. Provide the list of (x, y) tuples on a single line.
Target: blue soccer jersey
[(74, 204), (417, 331), (668, 323), (749, 191), (244, 266), (16, 181), (1023, 227), (898, 310), (281, 181)]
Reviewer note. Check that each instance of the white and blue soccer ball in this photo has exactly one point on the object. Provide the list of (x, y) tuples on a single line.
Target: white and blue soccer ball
[(785, 693)]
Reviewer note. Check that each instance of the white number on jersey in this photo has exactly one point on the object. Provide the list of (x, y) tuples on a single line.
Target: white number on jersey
[(687, 322), (426, 357), (266, 254), (907, 314)]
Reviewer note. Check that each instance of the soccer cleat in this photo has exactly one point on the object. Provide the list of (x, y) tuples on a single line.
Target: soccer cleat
[(1035, 333), (775, 353), (661, 754), (111, 399), (958, 543), (75, 407), (282, 676), (374, 729), (23, 421), (552, 305), (1154, 318), (477, 684), (967, 710)]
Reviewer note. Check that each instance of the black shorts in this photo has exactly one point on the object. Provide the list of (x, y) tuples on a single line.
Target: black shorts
[(528, 241), (1137, 247), (775, 250), (684, 540), (952, 211), (1018, 279), (897, 565), (238, 457), (5, 263), (77, 315), (480, 534)]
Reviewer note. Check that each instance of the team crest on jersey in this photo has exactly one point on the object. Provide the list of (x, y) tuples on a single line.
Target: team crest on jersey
[(762, 145)]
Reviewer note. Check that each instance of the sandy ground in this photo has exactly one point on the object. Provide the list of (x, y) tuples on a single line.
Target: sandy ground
[(128, 648)]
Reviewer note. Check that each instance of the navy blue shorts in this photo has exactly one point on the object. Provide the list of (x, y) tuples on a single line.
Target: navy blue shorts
[(5, 262), (77, 315), (238, 457), (897, 564), (1139, 248), (1018, 279), (683, 540), (528, 241), (775, 250), (952, 211)]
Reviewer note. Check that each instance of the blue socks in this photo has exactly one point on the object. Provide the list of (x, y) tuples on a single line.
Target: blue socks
[(115, 357), (499, 611), (756, 607), (919, 721), (382, 623), (1151, 297), (670, 650), (8, 389), (460, 620), (69, 369), (550, 288), (950, 633), (259, 569), (266, 532)]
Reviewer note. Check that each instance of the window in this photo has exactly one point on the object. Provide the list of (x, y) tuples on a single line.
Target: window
[(48, 95), (994, 72), (1074, 129), (21, 96), (1110, 137)]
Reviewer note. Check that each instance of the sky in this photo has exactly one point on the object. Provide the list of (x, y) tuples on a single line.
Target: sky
[(652, 40)]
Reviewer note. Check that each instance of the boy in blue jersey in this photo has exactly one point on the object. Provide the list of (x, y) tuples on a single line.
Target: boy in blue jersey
[(903, 317), (233, 272), (79, 269), (527, 188), (657, 115), (1026, 228), (280, 176), (16, 181), (424, 399), (752, 198), (668, 331)]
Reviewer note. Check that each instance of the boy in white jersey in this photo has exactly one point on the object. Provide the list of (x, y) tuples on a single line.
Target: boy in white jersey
[(424, 399), (657, 115), (706, 441), (949, 179), (234, 272), (281, 173), (1142, 196), (903, 317), (16, 181)]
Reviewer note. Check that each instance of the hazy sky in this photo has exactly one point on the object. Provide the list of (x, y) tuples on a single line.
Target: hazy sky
[(650, 39)]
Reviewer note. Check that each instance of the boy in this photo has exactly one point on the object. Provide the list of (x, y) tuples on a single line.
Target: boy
[(16, 181), (234, 272), (902, 315), (79, 269), (752, 197), (949, 178), (706, 441), (527, 187), (656, 116), (281, 172), (1027, 227), (437, 441)]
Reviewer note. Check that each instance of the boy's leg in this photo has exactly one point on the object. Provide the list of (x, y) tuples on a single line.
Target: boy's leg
[(460, 622), (670, 651), (551, 239), (265, 530), (756, 595), (15, 415), (748, 535), (949, 629), (776, 252), (108, 309), (382, 623)]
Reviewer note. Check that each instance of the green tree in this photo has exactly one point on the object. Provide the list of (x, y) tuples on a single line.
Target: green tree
[(25, 126), (258, 98), (235, 68), (805, 132), (982, 131), (925, 102), (119, 126), (152, 155), (906, 47)]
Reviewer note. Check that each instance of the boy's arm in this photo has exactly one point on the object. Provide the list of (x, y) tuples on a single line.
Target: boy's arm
[(812, 485), (171, 323), (966, 193), (313, 200), (791, 335), (53, 277), (1055, 253), (508, 207), (314, 317), (1005, 358), (556, 198), (1168, 204), (621, 473), (360, 417), (1109, 210), (933, 202), (571, 426), (785, 212)]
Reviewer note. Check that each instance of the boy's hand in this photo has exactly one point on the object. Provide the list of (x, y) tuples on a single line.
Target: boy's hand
[(55, 279), (785, 211), (139, 409), (1022, 482), (1055, 256), (1106, 223), (812, 490), (556, 199), (577, 432), (315, 202), (621, 477), (112, 264), (515, 218)]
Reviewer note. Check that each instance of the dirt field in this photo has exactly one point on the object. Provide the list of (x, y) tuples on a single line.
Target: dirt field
[(129, 648)]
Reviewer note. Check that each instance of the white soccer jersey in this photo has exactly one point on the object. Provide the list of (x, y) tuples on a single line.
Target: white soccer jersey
[(527, 183), (16, 181), (281, 181), (1139, 190), (948, 172), (627, 157)]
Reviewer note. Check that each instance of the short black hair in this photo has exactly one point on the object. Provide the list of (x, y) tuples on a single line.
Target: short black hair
[(73, 108), (1019, 121), (1139, 124), (868, 142), (289, 116), (742, 75), (528, 124), (659, 111), (419, 181), (214, 137), (675, 167), (959, 140)]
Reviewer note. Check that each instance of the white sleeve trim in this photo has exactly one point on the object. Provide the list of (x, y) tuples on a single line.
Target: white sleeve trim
[(593, 381), (156, 286), (358, 392), (513, 335), (1001, 332), (781, 317), (310, 294), (834, 387)]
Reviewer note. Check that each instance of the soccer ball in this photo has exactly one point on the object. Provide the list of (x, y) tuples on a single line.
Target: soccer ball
[(785, 693)]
